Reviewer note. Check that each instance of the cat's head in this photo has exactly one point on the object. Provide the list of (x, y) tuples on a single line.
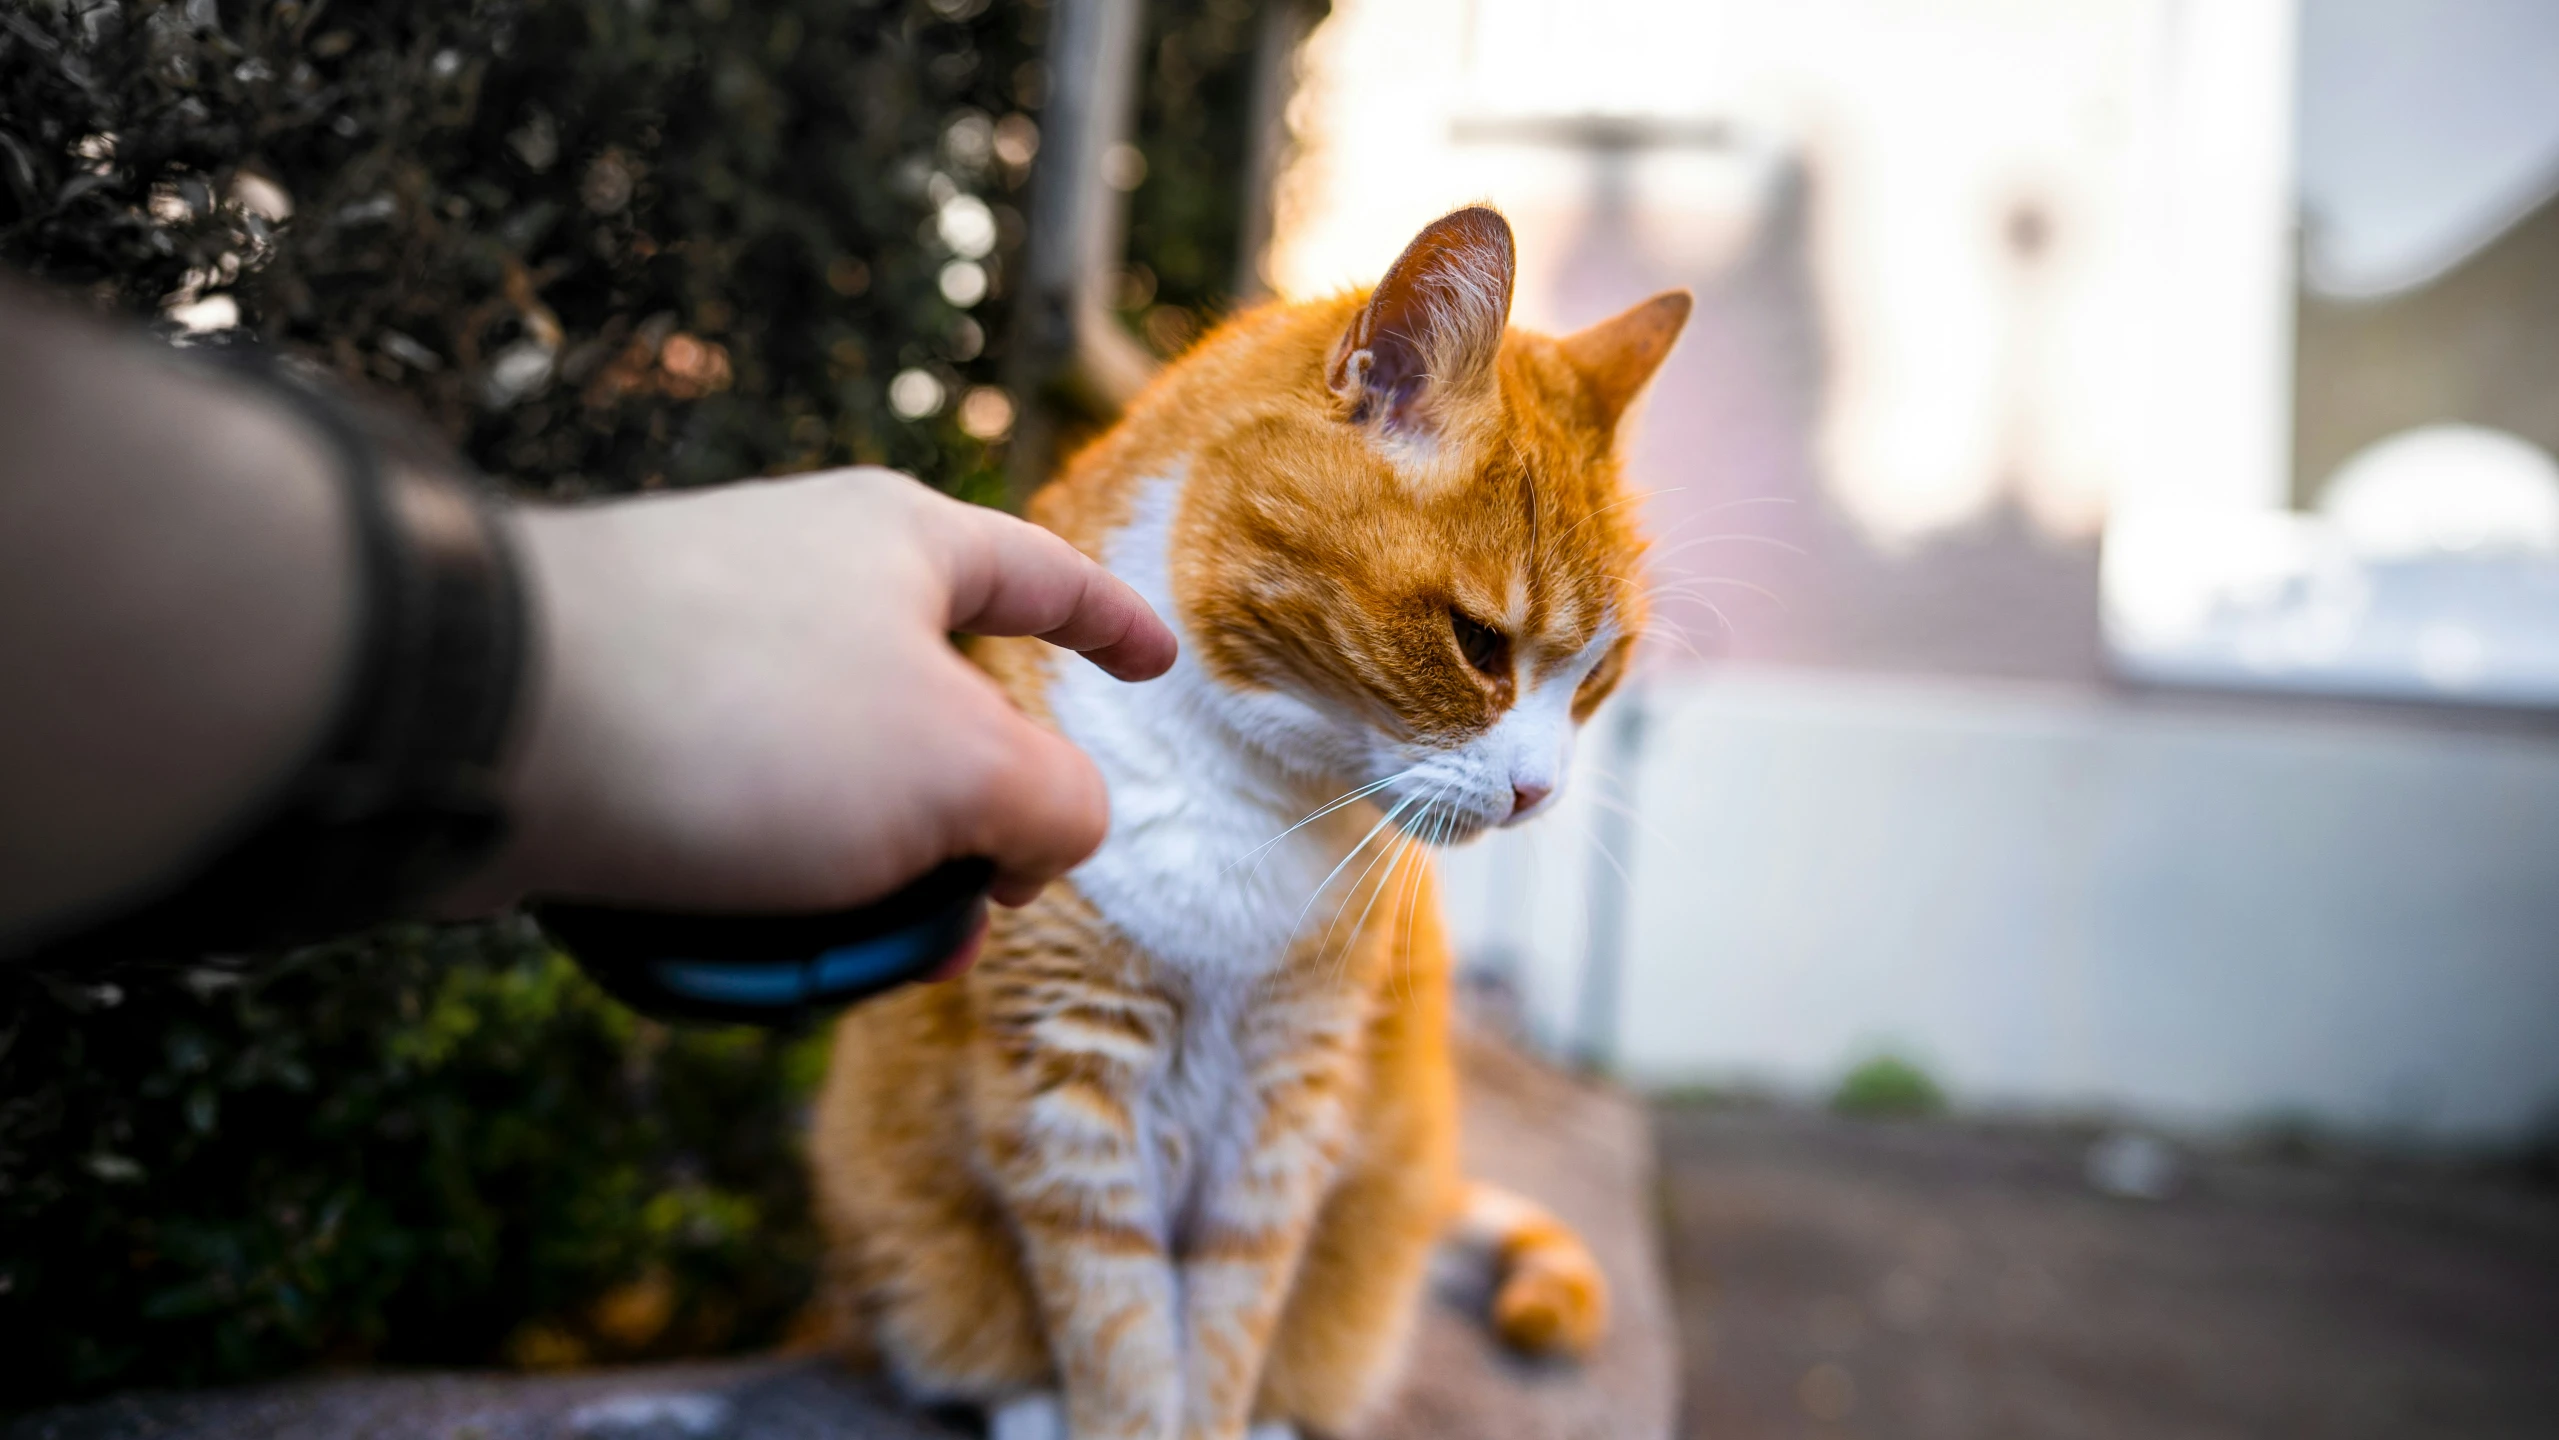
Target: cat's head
[(1414, 560)]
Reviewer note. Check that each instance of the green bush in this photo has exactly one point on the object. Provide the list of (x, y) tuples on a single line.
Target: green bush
[(428, 1145), (1888, 1086)]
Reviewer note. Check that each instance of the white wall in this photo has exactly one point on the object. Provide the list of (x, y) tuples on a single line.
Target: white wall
[(2056, 901)]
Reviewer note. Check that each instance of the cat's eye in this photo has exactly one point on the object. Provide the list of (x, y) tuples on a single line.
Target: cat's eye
[(1484, 647)]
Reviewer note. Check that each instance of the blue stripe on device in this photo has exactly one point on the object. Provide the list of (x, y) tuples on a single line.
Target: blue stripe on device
[(774, 969), (872, 961), (791, 982), (784, 983)]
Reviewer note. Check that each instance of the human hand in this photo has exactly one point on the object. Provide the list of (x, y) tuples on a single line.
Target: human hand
[(746, 700)]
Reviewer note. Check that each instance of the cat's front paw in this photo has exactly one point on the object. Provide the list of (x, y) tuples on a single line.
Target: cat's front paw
[(1272, 1430), (1033, 1417)]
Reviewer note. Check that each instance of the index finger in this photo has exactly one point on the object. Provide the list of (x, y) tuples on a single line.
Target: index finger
[(1010, 577)]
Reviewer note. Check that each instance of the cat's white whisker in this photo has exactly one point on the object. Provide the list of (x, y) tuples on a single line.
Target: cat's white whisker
[(1728, 537), (1393, 855), (1673, 634), (1673, 588), (1723, 505), (1630, 498), (1711, 607), (1615, 806), (1700, 517), (1347, 797), (1402, 845), (1321, 885), (1591, 833), (1412, 899), (1659, 630)]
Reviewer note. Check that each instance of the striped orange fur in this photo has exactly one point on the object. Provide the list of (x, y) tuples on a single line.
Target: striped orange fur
[(1170, 1160)]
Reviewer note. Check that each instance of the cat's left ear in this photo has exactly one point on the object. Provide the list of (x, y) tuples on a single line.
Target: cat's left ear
[(1421, 352), (1619, 354)]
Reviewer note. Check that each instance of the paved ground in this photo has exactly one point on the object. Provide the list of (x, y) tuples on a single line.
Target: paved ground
[(1912, 1281)]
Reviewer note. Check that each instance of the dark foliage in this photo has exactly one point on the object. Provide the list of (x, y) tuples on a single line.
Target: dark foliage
[(1185, 217), (600, 244), (432, 1146)]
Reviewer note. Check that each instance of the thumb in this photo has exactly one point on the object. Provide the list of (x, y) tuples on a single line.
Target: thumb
[(1034, 804)]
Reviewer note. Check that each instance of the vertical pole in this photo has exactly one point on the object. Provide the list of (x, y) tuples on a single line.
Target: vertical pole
[(1608, 893), (1063, 328), (1285, 25)]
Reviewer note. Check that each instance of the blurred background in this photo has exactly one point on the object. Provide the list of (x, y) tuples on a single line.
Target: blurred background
[(2108, 540), (2107, 555), (2077, 868)]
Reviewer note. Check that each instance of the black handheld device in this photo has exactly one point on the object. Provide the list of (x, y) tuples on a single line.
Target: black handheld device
[(774, 970)]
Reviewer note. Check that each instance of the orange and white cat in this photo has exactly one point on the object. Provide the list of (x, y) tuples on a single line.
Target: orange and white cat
[(1169, 1162)]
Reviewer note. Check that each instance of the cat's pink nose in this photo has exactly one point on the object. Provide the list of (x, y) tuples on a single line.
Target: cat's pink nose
[(1526, 794)]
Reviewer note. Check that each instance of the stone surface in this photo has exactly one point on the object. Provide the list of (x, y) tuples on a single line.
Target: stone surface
[(759, 1399), (1969, 1280), (1584, 1151)]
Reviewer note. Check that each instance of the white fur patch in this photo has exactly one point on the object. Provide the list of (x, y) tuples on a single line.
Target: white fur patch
[(1190, 871)]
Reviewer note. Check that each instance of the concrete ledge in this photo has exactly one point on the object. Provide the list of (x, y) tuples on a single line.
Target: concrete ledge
[(1586, 1152), (1583, 1150)]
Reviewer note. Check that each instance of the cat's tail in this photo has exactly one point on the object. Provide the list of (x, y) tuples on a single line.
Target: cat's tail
[(1548, 1295)]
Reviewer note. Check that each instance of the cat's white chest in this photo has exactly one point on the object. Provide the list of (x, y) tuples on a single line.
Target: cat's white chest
[(1203, 1116), (1201, 868), (1191, 1117), (1194, 878)]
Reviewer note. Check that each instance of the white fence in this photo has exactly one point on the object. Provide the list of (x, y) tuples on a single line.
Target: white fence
[(2048, 899)]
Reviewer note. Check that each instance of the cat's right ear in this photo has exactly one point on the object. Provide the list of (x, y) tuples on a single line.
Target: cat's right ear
[(1422, 350)]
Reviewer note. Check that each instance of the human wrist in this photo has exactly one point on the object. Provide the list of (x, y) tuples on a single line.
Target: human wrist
[(546, 786)]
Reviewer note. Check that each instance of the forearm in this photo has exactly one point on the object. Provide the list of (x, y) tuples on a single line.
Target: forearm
[(176, 605), (742, 700)]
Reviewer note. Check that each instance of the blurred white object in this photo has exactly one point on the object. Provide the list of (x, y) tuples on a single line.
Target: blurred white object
[(963, 283), (914, 394), (261, 197), (2462, 489), (213, 312), (518, 373), (2132, 1165), (2049, 900), (1597, 57), (2433, 583), (2431, 568), (651, 1417), (2051, 244), (966, 225), (2428, 127)]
